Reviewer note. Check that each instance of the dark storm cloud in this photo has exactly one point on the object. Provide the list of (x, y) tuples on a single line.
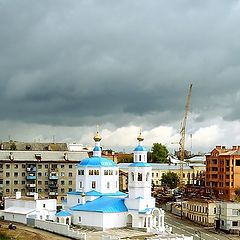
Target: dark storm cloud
[(79, 62)]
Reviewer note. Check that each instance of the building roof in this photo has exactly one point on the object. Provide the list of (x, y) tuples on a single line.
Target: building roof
[(63, 213), (98, 194), (160, 166), (96, 161), (103, 205), (140, 148), (31, 156), (140, 164), (18, 210)]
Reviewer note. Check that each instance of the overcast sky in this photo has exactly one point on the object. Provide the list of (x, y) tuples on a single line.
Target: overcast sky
[(66, 66)]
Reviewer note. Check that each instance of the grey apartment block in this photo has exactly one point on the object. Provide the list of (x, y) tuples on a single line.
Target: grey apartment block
[(51, 173)]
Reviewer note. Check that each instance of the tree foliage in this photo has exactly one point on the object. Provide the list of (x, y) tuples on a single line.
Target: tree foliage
[(159, 153), (170, 179)]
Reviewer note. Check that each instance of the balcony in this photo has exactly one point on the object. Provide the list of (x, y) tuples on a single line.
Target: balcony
[(53, 176), (53, 185), (53, 193), (32, 185), (31, 169), (31, 177)]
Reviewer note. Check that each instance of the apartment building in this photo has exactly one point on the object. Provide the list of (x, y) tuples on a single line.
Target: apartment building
[(223, 172), (50, 173), (201, 211), (192, 173)]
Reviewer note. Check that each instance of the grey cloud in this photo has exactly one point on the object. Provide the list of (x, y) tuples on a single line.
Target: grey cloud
[(81, 62)]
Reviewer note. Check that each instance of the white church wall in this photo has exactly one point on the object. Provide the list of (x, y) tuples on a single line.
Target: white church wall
[(72, 200), (93, 219), (114, 220)]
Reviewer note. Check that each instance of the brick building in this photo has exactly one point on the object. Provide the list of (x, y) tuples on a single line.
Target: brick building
[(223, 172)]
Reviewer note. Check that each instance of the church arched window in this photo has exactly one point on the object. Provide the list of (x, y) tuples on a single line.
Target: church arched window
[(132, 174), (139, 176), (140, 158), (147, 176)]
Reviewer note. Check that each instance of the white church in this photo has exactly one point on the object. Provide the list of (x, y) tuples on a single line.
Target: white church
[(97, 201)]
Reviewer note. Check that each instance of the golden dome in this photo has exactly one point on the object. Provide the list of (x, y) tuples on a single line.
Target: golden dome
[(140, 138), (97, 137)]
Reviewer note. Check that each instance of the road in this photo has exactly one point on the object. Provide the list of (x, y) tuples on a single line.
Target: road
[(189, 228)]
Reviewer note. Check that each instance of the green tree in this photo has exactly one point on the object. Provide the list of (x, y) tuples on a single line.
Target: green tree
[(170, 179), (159, 153)]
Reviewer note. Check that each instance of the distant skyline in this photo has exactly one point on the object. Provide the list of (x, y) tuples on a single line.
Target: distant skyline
[(66, 66)]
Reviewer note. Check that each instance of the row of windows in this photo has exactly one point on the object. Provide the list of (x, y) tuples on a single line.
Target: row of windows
[(96, 172), (94, 184), (140, 176), (16, 174), (39, 182), (46, 190), (39, 166)]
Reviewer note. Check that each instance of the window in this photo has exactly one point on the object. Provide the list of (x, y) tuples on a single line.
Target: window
[(62, 174), (70, 166), (139, 176), (46, 182), (80, 219), (7, 182), (7, 166), (54, 166), (152, 174), (140, 158), (234, 223), (44, 205), (80, 172), (108, 184), (16, 174), (23, 174), (15, 165), (62, 190), (39, 166), (7, 190), (93, 184), (235, 212), (132, 174), (80, 184), (147, 176), (238, 162), (23, 166), (39, 174), (70, 189), (15, 182), (70, 174), (46, 166), (62, 166), (70, 182), (7, 174), (23, 182), (39, 182), (62, 182)]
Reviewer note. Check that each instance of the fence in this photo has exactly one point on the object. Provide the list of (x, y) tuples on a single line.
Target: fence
[(60, 228)]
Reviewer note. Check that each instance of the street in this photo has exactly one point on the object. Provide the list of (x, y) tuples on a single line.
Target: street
[(189, 228)]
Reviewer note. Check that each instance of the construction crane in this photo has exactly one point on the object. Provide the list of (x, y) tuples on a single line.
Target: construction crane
[(182, 139)]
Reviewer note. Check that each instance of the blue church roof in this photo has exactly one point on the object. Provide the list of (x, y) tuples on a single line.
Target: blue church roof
[(98, 194), (63, 213), (140, 148), (97, 162), (140, 164), (97, 148), (103, 205)]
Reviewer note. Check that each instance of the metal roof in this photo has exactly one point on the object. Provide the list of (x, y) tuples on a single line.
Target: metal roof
[(96, 161), (140, 164), (63, 213), (103, 205), (18, 210), (45, 156), (140, 148)]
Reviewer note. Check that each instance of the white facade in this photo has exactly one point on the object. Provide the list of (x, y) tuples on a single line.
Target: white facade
[(17, 210), (228, 215)]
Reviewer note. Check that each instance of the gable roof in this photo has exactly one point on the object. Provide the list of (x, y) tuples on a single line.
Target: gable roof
[(63, 213), (103, 205)]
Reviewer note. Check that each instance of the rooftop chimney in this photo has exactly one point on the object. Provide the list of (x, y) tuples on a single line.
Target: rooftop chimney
[(18, 195), (218, 147)]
